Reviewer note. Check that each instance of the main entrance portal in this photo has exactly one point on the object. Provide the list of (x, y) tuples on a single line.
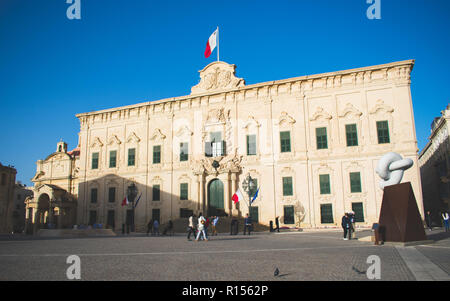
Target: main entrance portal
[(216, 198)]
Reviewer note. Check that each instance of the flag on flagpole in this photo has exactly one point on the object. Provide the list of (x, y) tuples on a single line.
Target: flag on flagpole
[(135, 205), (125, 201), (237, 196), (211, 43), (255, 196)]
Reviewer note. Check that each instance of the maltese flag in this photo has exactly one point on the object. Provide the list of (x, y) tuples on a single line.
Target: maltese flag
[(125, 201), (237, 196), (211, 44)]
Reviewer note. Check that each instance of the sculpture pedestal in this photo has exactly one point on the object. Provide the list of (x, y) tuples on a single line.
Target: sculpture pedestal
[(400, 220)]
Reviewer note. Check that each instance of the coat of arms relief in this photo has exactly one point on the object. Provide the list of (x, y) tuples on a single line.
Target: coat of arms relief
[(217, 76)]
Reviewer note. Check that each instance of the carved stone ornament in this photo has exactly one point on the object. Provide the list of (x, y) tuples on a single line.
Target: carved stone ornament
[(217, 76)]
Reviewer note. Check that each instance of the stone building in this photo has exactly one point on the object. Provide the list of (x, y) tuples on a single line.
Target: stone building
[(21, 193), (310, 142), (55, 191), (434, 162), (7, 182)]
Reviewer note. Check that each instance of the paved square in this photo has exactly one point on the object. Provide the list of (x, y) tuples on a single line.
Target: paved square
[(298, 256)]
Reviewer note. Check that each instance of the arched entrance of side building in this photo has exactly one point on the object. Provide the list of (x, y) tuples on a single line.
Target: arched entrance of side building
[(42, 216), (216, 204)]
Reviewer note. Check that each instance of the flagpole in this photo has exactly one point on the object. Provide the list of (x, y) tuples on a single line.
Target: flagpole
[(217, 43)]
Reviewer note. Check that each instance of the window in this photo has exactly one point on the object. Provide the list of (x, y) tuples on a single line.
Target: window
[(110, 219), (156, 215), (184, 151), (251, 145), (156, 154), (326, 213), (287, 186), (215, 137), (359, 212), (383, 132), (285, 141), (131, 156), (289, 215), (324, 184), (184, 212), (355, 182), (254, 214), (352, 134), (156, 192), (94, 160), (94, 195), (92, 217), (112, 194), (112, 159), (183, 191), (321, 137)]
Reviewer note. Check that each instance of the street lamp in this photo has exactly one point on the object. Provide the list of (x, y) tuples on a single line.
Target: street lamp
[(249, 185), (132, 193)]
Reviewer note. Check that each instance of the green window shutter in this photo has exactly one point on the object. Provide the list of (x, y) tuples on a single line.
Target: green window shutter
[(383, 132), (326, 214), (94, 195), (285, 141), (355, 182), (254, 214), (321, 138), (112, 159), (325, 184), (94, 160), (251, 145), (112, 194), (131, 156), (287, 186), (184, 151), (352, 134), (289, 215), (359, 212), (183, 191), (156, 194), (156, 154)]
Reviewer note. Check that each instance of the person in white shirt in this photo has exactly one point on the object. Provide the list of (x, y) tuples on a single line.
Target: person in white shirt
[(445, 218), (201, 228), (191, 228)]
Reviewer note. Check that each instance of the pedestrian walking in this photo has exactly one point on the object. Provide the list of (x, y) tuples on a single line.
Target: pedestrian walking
[(201, 228), (351, 216), (277, 224), (345, 225), (247, 224), (207, 222), (155, 227), (214, 225), (169, 228), (445, 218), (191, 227), (150, 227), (428, 220)]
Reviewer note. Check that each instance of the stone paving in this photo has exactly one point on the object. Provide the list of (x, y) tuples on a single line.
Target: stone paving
[(298, 256)]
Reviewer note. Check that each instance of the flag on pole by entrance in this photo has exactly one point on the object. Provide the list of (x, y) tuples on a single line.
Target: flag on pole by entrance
[(237, 196), (125, 201), (211, 44), (255, 196), (135, 205)]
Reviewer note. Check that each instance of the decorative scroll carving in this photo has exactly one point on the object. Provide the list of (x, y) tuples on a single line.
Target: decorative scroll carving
[(217, 76), (381, 106), (320, 114)]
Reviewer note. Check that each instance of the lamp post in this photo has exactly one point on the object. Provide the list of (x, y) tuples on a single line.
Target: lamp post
[(132, 193), (249, 184)]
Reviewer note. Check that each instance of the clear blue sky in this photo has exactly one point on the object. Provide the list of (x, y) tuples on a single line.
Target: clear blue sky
[(123, 52)]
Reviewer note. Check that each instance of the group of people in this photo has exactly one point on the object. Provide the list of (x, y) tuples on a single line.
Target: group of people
[(445, 220), (153, 228), (200, 231), (348, 224)]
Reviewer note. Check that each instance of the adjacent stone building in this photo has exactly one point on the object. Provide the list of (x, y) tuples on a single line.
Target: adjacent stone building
[(310, 142), (434, 162), (7, 182), (21, 193)]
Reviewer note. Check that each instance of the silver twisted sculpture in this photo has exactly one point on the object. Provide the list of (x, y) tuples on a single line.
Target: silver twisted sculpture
[(391, 167)]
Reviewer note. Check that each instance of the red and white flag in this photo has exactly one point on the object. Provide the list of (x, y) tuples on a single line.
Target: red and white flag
[(237, 196), (125, 201), (211, 44)]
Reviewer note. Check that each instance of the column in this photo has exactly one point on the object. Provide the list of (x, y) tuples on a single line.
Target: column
[(235, 211), (228, 209)]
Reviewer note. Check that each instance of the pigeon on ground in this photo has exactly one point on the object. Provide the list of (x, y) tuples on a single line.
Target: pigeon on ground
[(277, 272), (357, 271)]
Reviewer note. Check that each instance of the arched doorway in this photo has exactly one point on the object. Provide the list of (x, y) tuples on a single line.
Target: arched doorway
[(42, 214), (215, 198)]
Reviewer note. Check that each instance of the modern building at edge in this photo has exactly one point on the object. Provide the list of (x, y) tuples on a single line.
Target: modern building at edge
[(311, 143)]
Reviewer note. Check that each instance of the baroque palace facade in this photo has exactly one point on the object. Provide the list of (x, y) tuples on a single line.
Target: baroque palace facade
[(311, 143)]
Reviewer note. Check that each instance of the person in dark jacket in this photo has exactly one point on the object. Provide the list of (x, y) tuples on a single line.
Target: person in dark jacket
[(150, 227), (345, 225), (277, 224), (247, 224), (428, 220)]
